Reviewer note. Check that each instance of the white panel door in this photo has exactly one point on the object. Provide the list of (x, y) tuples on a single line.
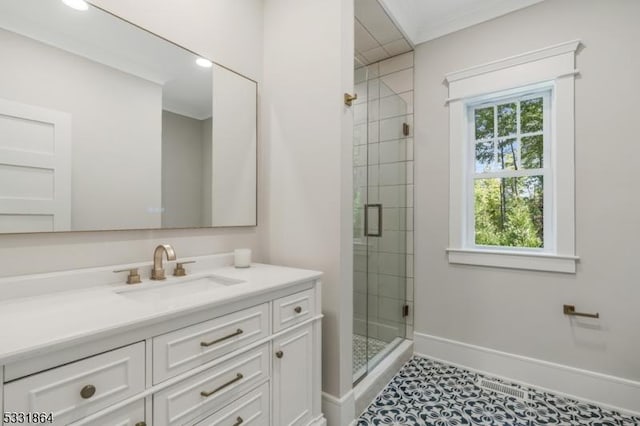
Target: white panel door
[(35, 169), (293, 378)]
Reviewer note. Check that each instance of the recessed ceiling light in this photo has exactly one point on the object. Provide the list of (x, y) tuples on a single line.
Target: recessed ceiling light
[(76, 4), (204, 63)]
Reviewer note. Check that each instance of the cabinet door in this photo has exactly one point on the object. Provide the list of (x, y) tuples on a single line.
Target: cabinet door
[(293, 377)]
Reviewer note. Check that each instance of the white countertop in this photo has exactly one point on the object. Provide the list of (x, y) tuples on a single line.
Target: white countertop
[(29, 325)]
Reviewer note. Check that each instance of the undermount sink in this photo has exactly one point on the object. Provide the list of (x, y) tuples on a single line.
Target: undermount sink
[(176, 293)]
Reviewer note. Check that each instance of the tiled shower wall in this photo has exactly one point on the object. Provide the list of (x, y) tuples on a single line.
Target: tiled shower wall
[(383, 173)]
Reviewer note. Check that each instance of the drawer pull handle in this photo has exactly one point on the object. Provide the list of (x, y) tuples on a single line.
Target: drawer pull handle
[(298, 309), (238, 422), (279, 354), (88, 391), (239, 376), (213, 342)]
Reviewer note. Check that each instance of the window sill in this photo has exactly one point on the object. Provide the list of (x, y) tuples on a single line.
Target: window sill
[(514, 260)]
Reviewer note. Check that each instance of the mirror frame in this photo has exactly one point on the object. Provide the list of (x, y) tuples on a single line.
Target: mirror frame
[(254, 225)]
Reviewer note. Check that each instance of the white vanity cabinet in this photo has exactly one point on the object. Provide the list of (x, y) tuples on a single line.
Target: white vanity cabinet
[(253, 360)]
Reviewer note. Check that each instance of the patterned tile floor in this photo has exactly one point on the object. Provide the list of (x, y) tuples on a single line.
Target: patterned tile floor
[(360, 350), (426, 392)]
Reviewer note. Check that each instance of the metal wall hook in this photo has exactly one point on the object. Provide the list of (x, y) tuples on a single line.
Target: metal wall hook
[(348, 98)]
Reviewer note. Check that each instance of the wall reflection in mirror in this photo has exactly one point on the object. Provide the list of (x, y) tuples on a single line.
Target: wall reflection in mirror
[(105, 126)]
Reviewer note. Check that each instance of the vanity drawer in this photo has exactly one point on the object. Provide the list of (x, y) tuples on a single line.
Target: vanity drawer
[(184, 349), (212, 389), (293, 309), (131, 415), (81, 388), (252, 409)]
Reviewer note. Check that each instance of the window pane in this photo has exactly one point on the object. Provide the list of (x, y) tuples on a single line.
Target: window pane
[(484, 123), (507, 150), (532, 153), (531, 115), (507, 123), (484, 157), (509, 212)]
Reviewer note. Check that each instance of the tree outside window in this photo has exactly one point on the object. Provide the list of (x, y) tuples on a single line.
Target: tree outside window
[(508, 172)]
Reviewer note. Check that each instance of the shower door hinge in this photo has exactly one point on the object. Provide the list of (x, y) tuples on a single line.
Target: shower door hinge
[(405, 311), (405, 129)]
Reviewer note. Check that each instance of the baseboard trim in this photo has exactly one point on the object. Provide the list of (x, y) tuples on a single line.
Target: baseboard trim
[(609, 391), (339, 411)]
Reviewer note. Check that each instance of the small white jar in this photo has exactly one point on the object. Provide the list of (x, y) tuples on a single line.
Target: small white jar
[(242, 258)]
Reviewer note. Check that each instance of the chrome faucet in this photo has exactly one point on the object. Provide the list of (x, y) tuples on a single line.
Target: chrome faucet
[(157, 273)]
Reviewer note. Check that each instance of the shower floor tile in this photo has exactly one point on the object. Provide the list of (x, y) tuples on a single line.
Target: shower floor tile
[(360, 355), (427, 392)]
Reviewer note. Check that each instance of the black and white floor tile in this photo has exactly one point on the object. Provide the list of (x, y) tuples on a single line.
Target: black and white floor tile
[(426, 392)]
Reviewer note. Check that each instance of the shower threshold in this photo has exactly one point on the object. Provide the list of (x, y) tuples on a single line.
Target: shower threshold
[(378, 350)]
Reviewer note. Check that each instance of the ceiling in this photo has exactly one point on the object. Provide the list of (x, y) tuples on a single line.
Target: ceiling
[(103, 38), (424, 20), (376, 36)]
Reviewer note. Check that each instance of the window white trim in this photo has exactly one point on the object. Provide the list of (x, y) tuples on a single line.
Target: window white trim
[(513, 259), (552, 67), (512, 61)]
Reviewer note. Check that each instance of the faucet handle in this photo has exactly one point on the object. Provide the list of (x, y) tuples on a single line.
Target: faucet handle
[(133, 277), (179, 270)]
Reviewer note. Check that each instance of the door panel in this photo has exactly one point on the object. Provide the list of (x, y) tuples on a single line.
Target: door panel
[(35, 168)]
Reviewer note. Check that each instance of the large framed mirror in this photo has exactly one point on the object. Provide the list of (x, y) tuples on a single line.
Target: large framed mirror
[(106, 126)]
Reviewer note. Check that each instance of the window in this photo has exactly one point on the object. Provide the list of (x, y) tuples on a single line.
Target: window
[(509, 172), (512, 162)]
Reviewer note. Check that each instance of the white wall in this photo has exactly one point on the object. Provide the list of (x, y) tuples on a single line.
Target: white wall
[(101, 102), (182, 170), (308, 66), (227, 31), (520, 312)]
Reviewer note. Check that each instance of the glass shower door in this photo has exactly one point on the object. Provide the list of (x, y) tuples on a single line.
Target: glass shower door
[(380, 211), (360, 242)]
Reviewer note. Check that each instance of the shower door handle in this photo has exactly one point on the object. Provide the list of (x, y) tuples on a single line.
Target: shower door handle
[(367, 232)]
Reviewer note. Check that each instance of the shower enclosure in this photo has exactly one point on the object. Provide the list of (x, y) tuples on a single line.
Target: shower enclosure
[(383, 171)]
